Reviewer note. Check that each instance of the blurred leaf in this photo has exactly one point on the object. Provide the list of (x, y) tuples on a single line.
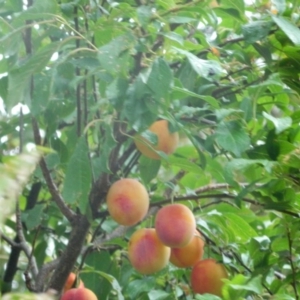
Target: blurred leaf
[(291, 31), (207, 297), (241, 164), (14, 174), (242, 230), (256, 31), (138, 286), (205, 68), (232, 137), (158, 295), (160, 78), (114, 283), (39, 9), (280, 124), (182, 92), (252, 285), (108, 144), (185, 165), (148, 168), (280, 5), (239, 5), (19, 76), (78, 177), (27, 296), (110, 54), (33, 217)]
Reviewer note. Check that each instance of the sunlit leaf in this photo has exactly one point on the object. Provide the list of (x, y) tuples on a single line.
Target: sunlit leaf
[(291, 30), (14, 174)]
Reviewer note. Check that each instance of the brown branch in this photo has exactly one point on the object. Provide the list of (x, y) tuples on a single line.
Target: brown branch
[(23, 243), (9, 241), (66, 211), (44, 273), (200, 191), (71, 253)]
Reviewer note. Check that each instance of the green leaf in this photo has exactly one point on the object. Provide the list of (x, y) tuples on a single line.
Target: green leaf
[(108, 144), (239, 5), (183, 92), (256, 31), (114, 283), (78, 177), (148, 168), (185, 165), (110, 54), (160, 78), (39, 9), (207, 297), (280, 124), (139, 106), (138, 286), (224, 113), (28, 296), (280, 244), (19, 76), (204, 68), (14, 174), (253, 285), (242, 230), (241, 164), (116, 90), (232, 137), (291, 31), (280, 5), (158, 295), (33, 217)]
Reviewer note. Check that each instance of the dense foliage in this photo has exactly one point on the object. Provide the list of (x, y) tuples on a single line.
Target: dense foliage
[(80, 78)]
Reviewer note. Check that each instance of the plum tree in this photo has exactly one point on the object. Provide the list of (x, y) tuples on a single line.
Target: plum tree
[(71, 282), (146, 252), (79, 294), (190, 254), (206, 277), (175, 225), (127, 201), (166, 141)]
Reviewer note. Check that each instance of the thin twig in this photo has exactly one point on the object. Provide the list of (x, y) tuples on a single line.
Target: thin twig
[(9, 240), (28, 252), (67, 212)]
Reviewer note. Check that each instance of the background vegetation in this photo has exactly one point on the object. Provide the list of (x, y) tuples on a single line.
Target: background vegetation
[(80, 78)]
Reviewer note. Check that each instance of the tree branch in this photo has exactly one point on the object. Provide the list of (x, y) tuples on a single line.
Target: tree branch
[(23, 243), (66, 211), (71, 253)]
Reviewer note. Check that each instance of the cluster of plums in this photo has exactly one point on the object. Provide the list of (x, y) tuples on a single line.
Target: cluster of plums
[(174, 237)]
